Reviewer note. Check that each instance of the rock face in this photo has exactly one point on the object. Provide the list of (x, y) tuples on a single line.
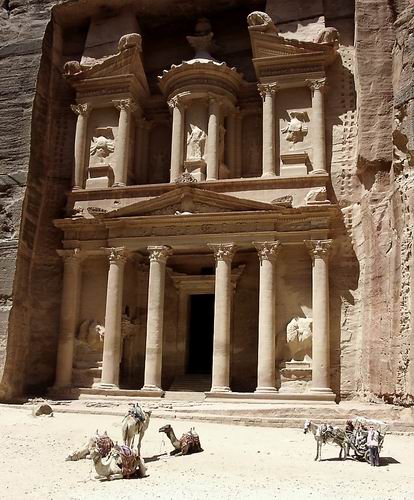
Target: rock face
[(372, 169)]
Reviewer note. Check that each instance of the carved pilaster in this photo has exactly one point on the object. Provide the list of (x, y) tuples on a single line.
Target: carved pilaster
[(268, 250), (159, 253), (319, 248), (223, 251)]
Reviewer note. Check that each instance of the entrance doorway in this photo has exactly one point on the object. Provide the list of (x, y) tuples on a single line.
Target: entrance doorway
[(200, 334)]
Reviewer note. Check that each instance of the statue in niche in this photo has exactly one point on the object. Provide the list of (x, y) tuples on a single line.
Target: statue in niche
[(102, 145), (91, 333), (299, 339), (196, 140), (296, 130)]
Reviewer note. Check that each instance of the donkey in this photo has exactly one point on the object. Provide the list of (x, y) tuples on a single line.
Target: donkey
[(323, 434)]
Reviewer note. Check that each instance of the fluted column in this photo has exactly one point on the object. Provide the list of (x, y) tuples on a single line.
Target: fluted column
[(213, 139), (126, 107), (177, 141), (82, 110), (267, 91), (318, 89), (155, 317), (266, 372), (319, 252), (223, 253), (113, 315), (69, 311)]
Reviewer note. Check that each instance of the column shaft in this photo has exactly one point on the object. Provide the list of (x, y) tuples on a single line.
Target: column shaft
[(222, 317), (155, 318), (113, 315), (319, 250), (213, 140), (69, 311), (177, 139), (82, 110), (318, 126), (267, 92), (266, 372), (126, 107)]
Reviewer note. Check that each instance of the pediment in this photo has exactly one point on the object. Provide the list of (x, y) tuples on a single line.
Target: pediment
[(187, 201)]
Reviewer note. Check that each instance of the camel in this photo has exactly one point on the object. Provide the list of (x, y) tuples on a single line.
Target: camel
[(135, 422), (189, 442), (323, 434), (101, 441), (121, 463)]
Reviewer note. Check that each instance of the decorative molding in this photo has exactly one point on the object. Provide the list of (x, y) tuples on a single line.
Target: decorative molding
[(267, 250), (81, 109), (159, 253), (319, 248), (223, 251), (267, 89)]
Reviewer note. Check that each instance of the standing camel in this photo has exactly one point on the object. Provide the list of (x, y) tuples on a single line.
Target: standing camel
[(136, 421), (327, 434)]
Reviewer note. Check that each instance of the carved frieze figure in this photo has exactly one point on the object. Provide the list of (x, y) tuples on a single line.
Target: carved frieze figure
[(260, 21), (316, 195), (101, 148), (299, 339), (196, 140), (296, 129)]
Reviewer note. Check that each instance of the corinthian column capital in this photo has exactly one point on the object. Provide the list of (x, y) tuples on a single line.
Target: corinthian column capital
[(117, 255), (223, 251), (81, 109), (318, 248), (267, 89), (159, 253), (267, 250), (72, 256), (318, 84), (125, 104)]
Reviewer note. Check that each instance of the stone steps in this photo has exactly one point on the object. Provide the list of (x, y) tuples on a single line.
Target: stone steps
[(191, 383)]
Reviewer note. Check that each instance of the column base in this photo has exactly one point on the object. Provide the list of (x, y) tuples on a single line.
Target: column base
[(321, 390), (218, 388), (265, 390), (268, 175), (104, 385), (118, 184), (77, 188), (152, 388), (318, 171)]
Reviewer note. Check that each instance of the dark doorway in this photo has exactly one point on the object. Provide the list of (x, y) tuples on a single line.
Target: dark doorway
[(200, 334)]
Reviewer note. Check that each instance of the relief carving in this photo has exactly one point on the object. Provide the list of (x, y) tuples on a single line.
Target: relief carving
[(101, 148), (299, 339), (196, 141), (316, 195), (328, 35), (260, 21), (130, 40), (296, 130)]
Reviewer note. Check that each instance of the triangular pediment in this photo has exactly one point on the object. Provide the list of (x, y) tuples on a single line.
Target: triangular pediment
[(187, 201)]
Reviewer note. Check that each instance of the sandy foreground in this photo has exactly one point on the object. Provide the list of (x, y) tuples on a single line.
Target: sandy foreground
[(238, 462)]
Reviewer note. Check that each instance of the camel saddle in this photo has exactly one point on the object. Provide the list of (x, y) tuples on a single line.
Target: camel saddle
[(137, 413), (128, 462), (104, 445)]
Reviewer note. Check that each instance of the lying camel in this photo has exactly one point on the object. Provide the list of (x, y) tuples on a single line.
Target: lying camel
[(121, 463), (189, 442), (101, 441), (135, 422)]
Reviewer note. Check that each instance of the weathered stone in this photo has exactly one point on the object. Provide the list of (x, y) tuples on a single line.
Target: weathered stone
[(42, 409)]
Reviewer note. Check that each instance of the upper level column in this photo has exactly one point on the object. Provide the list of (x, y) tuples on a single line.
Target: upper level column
[(126, 107), (319, 251), (318, 88), (82, 110), (69, 311), (113, 316), (223, 253), (213, 135), (177, 141), (268, 91)]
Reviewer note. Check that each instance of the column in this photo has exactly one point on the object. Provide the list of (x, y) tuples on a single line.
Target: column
[(223, 253), (267, 91), (231, 142), (177, 140), (69, 311), (213, 139), (319, 252), (82, 110), (318, 125), (113, 315), (266, 372), (126, 107), (158, 256)]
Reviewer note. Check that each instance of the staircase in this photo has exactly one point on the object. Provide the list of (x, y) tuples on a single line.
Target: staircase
[(191, 383)]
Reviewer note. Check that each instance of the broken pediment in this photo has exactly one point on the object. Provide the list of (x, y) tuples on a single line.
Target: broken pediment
[(189, 201)]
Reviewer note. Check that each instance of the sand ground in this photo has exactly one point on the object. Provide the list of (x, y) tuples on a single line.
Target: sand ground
[(238, 462)]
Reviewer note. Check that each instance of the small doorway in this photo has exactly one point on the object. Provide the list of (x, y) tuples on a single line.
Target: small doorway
[(200, 334)]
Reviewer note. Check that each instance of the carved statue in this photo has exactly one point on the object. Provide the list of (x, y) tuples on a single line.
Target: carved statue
[(299, 339), (92, 333), (297, 129), (101, 147), (196, 140), (316, 195), (260, 21), (328, 35), (128, 41)]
